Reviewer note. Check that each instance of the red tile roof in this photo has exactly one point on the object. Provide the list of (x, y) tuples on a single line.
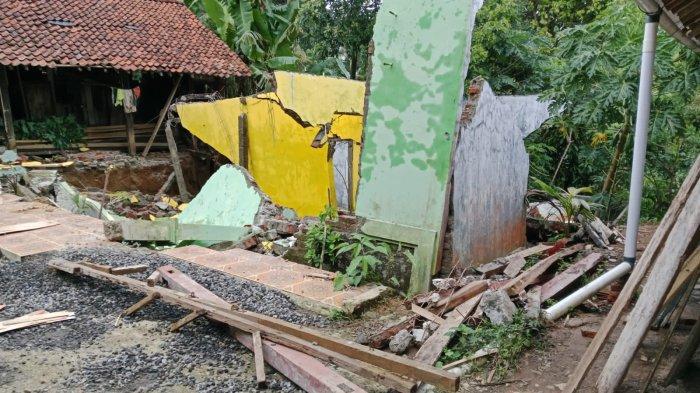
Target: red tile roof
[(128, 35)]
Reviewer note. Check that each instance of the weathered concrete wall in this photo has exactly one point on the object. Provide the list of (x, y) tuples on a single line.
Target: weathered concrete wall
[(418, 68), (490, 176), (281, 129)]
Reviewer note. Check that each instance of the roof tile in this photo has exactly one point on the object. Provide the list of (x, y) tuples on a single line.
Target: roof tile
[(161, 35)]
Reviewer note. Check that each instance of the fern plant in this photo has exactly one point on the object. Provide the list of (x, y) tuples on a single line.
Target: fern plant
[(569, 203), (363, 264)]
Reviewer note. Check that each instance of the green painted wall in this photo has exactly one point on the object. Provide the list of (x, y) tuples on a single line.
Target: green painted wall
[(227, 199), (417, 86)]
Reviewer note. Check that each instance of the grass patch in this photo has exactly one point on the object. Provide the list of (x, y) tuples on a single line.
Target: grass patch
[(531, 261), (512, 340)]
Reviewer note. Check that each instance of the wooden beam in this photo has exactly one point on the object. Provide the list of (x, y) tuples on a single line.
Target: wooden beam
[(130, 135), (33, 319), (181, 282), (685, 356), (426, 314), (97, 266), (154, 279), (305, 371), (691, 265), (259, 359), (568, 276), (517, 261), (462, 295), (658, 284), (243, 140), (175, 327), (26, 226), (175, 158), (161, 116), (377, 365), (528, 277), (430, 351), (140, 304), (638, 273), (688, 291), (300, 368), (128, 269), (7, 109)]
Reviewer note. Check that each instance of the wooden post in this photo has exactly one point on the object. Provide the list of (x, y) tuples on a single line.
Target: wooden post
[(259, 359), (161, 117), (52, 88), (25, 107), (130, 135), (243, 140), (6, 109), (175, 157)]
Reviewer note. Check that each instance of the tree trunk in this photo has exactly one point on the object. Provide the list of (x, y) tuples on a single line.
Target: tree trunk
[(615, 163), (353, 64)]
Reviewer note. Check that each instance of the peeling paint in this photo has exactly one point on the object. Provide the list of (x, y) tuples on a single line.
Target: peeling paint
[(418, 68), (281, 129)]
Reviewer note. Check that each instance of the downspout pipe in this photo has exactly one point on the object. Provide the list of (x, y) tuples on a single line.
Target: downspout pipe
[(641, 133)]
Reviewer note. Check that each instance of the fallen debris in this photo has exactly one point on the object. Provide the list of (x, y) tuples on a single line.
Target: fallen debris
[(33, 319), (26, 226), (532, 274), (379, 366), (478, 354), (498, 307), (400, 342), (568, 276)]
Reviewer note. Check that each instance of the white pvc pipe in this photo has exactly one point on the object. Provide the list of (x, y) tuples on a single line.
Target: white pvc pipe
[(570, 302), (641, 132)]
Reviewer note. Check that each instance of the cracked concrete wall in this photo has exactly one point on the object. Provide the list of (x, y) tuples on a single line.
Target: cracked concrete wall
[(281, 128), (490, 175)]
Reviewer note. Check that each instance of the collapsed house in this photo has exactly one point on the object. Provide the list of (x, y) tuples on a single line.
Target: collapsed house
[(111, 65)]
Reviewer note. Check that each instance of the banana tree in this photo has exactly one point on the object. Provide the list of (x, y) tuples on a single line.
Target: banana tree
[(264, 32)]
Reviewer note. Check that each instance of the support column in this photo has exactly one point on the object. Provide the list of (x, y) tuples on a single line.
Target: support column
[(175, 158), (130, 134), (6, 109)]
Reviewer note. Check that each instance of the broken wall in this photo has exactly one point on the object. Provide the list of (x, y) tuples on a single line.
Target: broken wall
[(281, 129), (420, 60), (490, 175)]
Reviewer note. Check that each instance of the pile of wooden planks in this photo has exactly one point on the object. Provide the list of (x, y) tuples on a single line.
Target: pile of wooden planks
[(394, 372), (39, 317), (670, 263)]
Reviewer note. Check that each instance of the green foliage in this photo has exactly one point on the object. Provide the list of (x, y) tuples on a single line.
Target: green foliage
[(337, 314), (364, 263), (594, 76), (60, 131), (264, 32), (335, 35), (511, 340), (569, 202), (322, 241)]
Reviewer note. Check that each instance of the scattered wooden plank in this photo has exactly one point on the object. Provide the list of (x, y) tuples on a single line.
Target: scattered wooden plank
[(658, 283), (430, 351), (305, 371), (517, 260), (300, 368), (528, 277), (97, 266), (637, 275), (259, 359), (685, 356), (154, 278), (515, 265), (476, 355), (492, 268), (462, 295), (35, 318), (175, 327), (2, 307), (691, 265), (426, 314), (381, 339), (179, 281), (25, 226), (568, 276), (128, 269), (390, 370), (141, 303)]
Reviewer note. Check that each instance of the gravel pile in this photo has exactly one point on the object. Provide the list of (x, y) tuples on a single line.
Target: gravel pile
[(203, 357)]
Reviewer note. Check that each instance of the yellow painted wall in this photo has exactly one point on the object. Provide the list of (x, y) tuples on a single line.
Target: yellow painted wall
[(280, 156)]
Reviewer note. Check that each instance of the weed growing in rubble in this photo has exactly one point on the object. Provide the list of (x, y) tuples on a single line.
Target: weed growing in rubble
[(511, 340), (363, 265), (322, 241)]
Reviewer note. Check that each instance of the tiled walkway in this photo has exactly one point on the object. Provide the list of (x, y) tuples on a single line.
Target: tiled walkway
[(301, 282), (73, 229)]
